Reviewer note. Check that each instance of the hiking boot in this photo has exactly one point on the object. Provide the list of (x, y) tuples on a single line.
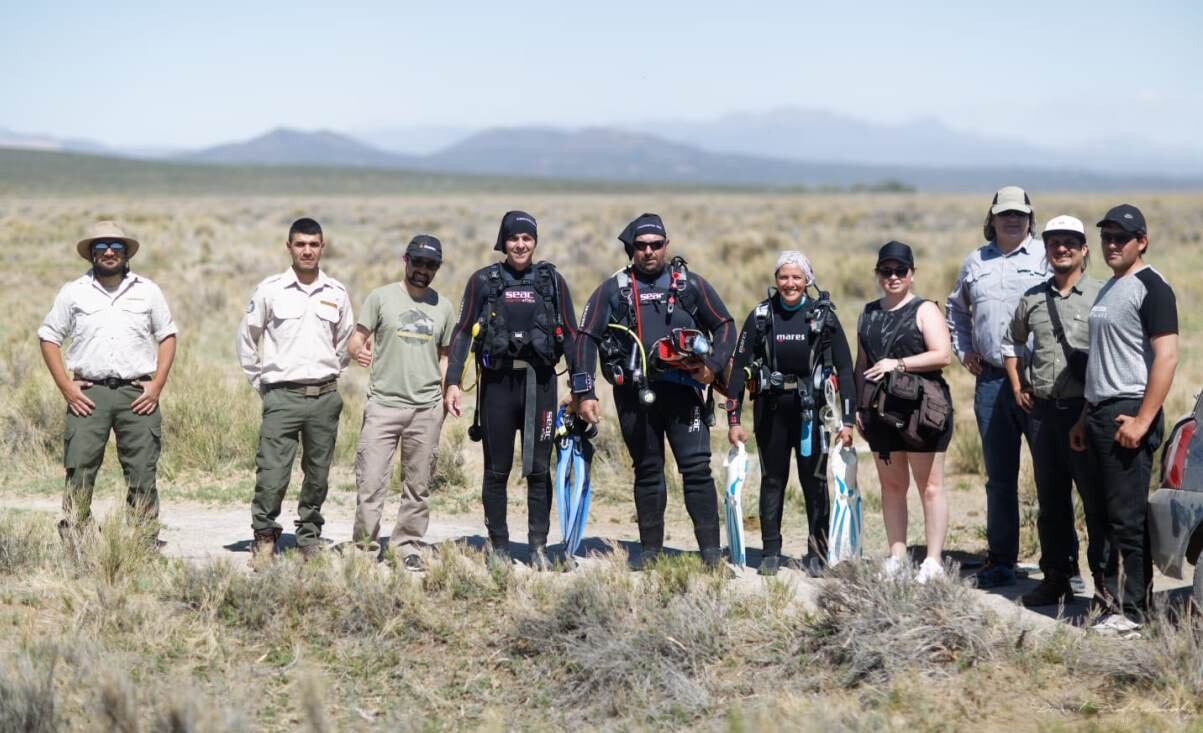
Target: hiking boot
[(263, 549), (769, 565), (413, 563), (538, 558), (1077, 584), (310, 552), (648, 557), (930, 569), (1053, 590), (995, 575)]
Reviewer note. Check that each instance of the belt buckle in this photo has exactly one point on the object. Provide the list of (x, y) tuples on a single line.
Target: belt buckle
[(313, 390)]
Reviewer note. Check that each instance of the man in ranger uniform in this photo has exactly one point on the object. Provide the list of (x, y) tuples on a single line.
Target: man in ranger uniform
[(664, 335), (122, 345), (292, 345)]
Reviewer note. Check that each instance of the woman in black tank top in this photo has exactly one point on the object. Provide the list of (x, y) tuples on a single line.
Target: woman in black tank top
[(902, 332)]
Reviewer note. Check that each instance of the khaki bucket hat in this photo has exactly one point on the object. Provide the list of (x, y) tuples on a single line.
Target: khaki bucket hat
[(105, 231)]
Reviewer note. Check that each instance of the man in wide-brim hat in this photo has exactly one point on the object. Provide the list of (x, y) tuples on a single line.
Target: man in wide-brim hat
[(122, 344)]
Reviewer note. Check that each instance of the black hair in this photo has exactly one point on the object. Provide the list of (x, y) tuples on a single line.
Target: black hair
[(304, 225)]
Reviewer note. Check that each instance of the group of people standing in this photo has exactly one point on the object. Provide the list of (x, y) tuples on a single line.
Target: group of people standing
[(1078, 367)]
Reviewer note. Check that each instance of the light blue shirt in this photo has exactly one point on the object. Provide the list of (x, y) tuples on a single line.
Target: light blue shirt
[(988, 288)]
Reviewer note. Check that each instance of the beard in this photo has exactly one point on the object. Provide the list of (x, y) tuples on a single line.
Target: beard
[(1066, 268), (102, 271), (418, 279)]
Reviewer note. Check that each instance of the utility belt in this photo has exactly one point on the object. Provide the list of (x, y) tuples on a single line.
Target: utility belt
[(515, 365), (764, 381), (115, 382), (302, 388)]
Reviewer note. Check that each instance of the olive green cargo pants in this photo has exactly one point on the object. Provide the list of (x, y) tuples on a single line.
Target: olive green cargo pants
[(291, 419), (139, 439)]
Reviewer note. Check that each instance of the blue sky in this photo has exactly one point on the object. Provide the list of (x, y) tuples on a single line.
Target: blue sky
[(180, 74)]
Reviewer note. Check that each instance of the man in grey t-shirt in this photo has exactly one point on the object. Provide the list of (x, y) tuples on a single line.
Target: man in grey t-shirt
[(410, 327), (1133, 354)]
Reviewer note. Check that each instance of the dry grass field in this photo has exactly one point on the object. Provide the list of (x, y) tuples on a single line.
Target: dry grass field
[(114, 639)]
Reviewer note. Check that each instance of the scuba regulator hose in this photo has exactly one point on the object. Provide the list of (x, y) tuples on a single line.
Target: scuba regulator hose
[(646, 395)]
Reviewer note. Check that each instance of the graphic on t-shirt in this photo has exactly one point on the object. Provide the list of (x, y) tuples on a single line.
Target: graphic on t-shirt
[(415, 327)]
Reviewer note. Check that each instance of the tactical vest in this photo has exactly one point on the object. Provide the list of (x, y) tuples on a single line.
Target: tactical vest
[(546, 336)]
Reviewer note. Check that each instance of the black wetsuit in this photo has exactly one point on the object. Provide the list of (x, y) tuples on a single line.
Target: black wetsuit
[(503, 391), (789, 343), (678, 411)]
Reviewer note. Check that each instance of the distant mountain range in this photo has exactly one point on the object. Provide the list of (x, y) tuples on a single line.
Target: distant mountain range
[(783, 148), (808, 134), (611, 155)]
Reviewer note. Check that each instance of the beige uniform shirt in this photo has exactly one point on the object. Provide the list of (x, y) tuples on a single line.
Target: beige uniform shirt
[(113, 334), (294, 332)]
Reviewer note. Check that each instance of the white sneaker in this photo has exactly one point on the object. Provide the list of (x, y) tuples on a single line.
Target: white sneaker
[(930, 569), (893, 568), (1116, 624)]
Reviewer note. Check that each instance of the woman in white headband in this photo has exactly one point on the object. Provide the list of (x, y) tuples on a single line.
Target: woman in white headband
[(790, 345)]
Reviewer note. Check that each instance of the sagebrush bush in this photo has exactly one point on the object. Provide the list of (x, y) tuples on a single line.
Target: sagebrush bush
[(872, 627), (28, 701)]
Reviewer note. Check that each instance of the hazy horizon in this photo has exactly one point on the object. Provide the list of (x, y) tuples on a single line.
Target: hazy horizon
[(156, 75)]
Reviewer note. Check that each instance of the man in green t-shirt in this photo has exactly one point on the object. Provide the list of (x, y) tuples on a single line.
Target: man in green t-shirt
[(410, 326)]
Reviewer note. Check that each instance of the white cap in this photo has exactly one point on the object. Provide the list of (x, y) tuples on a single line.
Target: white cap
[(1064, 224), (1011, 198)]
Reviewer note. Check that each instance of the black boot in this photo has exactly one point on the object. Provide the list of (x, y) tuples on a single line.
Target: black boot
[(769, 564), (538, 558), (1054, 589), (712, 558), (498, 554), (648, 557)]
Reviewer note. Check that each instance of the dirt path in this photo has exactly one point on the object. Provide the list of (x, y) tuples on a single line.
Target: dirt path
[(202, 533)]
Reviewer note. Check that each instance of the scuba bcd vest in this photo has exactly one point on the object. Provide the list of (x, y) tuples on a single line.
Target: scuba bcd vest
[(546, 336), (616, 345), (763, 373)]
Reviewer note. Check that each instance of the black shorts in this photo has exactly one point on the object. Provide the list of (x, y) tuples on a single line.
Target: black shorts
[(884, 438)]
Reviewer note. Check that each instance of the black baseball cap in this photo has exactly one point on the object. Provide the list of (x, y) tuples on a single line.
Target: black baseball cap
[(1126, 217), (425, 246), (896, 251)]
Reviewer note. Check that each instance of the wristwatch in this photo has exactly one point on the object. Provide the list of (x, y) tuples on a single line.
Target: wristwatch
[(581, 383)]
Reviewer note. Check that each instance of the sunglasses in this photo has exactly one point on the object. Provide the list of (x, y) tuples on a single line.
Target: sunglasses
[(654, 246), (898, 272), (1120, 238), (424, 264), (99, 247)]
